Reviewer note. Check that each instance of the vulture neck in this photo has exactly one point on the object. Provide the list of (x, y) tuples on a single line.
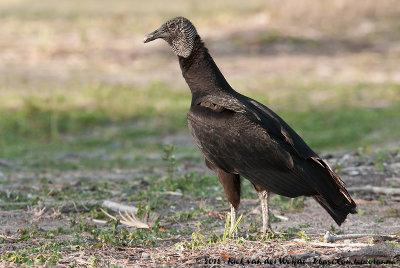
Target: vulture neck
[(201, 73)]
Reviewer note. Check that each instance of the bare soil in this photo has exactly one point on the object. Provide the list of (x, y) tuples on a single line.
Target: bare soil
[(378, 215)]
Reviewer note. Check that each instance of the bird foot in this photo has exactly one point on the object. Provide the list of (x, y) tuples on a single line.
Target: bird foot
[(267, 231)]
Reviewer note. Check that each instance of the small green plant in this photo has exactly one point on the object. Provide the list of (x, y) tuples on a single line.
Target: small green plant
[(382, 202), (394, 212), (304, 236), (393, 244), (287, 234), (142, 210), (273, 218), (198, 239), (380, 160), (170, 158), (334, 230), (93, 260), (378, 219), (27, 233), (229, 232), (97, 214), (360, 212), (253, 227), (294, 204), (48, 253), (304, 225)]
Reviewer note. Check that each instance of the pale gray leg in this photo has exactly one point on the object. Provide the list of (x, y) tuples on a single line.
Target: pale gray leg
[(264, 198), (233, 219)]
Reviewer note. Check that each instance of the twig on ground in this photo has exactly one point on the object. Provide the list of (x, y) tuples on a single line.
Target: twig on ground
[(375, 190), (304, 255), (331, 245), (8, 237), (281, 217), (99, 221), (172, 193), (332, 238), (49, 203), (379, 250), (393, 199), (119, 207)]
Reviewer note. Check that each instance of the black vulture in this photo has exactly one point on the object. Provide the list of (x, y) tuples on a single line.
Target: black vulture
[(239, 136)]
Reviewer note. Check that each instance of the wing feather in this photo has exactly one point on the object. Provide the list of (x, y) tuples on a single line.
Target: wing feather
[(239, 145)]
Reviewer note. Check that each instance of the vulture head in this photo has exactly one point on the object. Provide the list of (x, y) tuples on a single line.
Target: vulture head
[(179, 33)]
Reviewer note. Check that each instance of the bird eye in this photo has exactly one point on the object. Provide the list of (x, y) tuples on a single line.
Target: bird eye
[(172, 26)]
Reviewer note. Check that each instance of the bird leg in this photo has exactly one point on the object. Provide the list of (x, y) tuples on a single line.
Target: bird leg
[(264, 198), (233, 220), (231, 184)]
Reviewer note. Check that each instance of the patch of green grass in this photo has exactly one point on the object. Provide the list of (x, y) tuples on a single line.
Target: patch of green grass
[(380, 159), (187, 183), (273, 218), (360, 212), (13, 196), (334, 230), (304, 236), (378, 219), (344, 127), (199, 239), (288, 234), (392, 243), (119, 236), (48, 254), (67, 120), (304, 225), (52, 129), (184, 216), (293, 204), (392, 212), (48, 117), (25, 234)]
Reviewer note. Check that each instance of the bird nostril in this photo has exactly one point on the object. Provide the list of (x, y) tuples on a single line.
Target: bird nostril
[(145, 39)]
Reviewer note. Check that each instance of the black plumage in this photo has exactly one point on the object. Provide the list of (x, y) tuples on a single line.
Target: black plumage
[(241, 137)]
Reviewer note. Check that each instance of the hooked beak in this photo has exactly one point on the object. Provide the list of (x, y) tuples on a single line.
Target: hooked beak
[(159, 33)]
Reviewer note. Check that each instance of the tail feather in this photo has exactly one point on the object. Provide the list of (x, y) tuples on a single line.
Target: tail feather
[(332, 194), (339, 214)]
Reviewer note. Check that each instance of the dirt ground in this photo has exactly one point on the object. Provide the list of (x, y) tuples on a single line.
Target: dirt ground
[(50, 214), (378, 217)]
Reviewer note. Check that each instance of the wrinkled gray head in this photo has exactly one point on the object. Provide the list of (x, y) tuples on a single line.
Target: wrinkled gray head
[(179, 33)]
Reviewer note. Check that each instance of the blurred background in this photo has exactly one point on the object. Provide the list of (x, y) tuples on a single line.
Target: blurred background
[(78, 87)]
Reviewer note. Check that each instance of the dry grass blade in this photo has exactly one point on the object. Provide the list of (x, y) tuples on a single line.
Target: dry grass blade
[(37, 213), (132, 221), (129, 220), (108, 215)]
